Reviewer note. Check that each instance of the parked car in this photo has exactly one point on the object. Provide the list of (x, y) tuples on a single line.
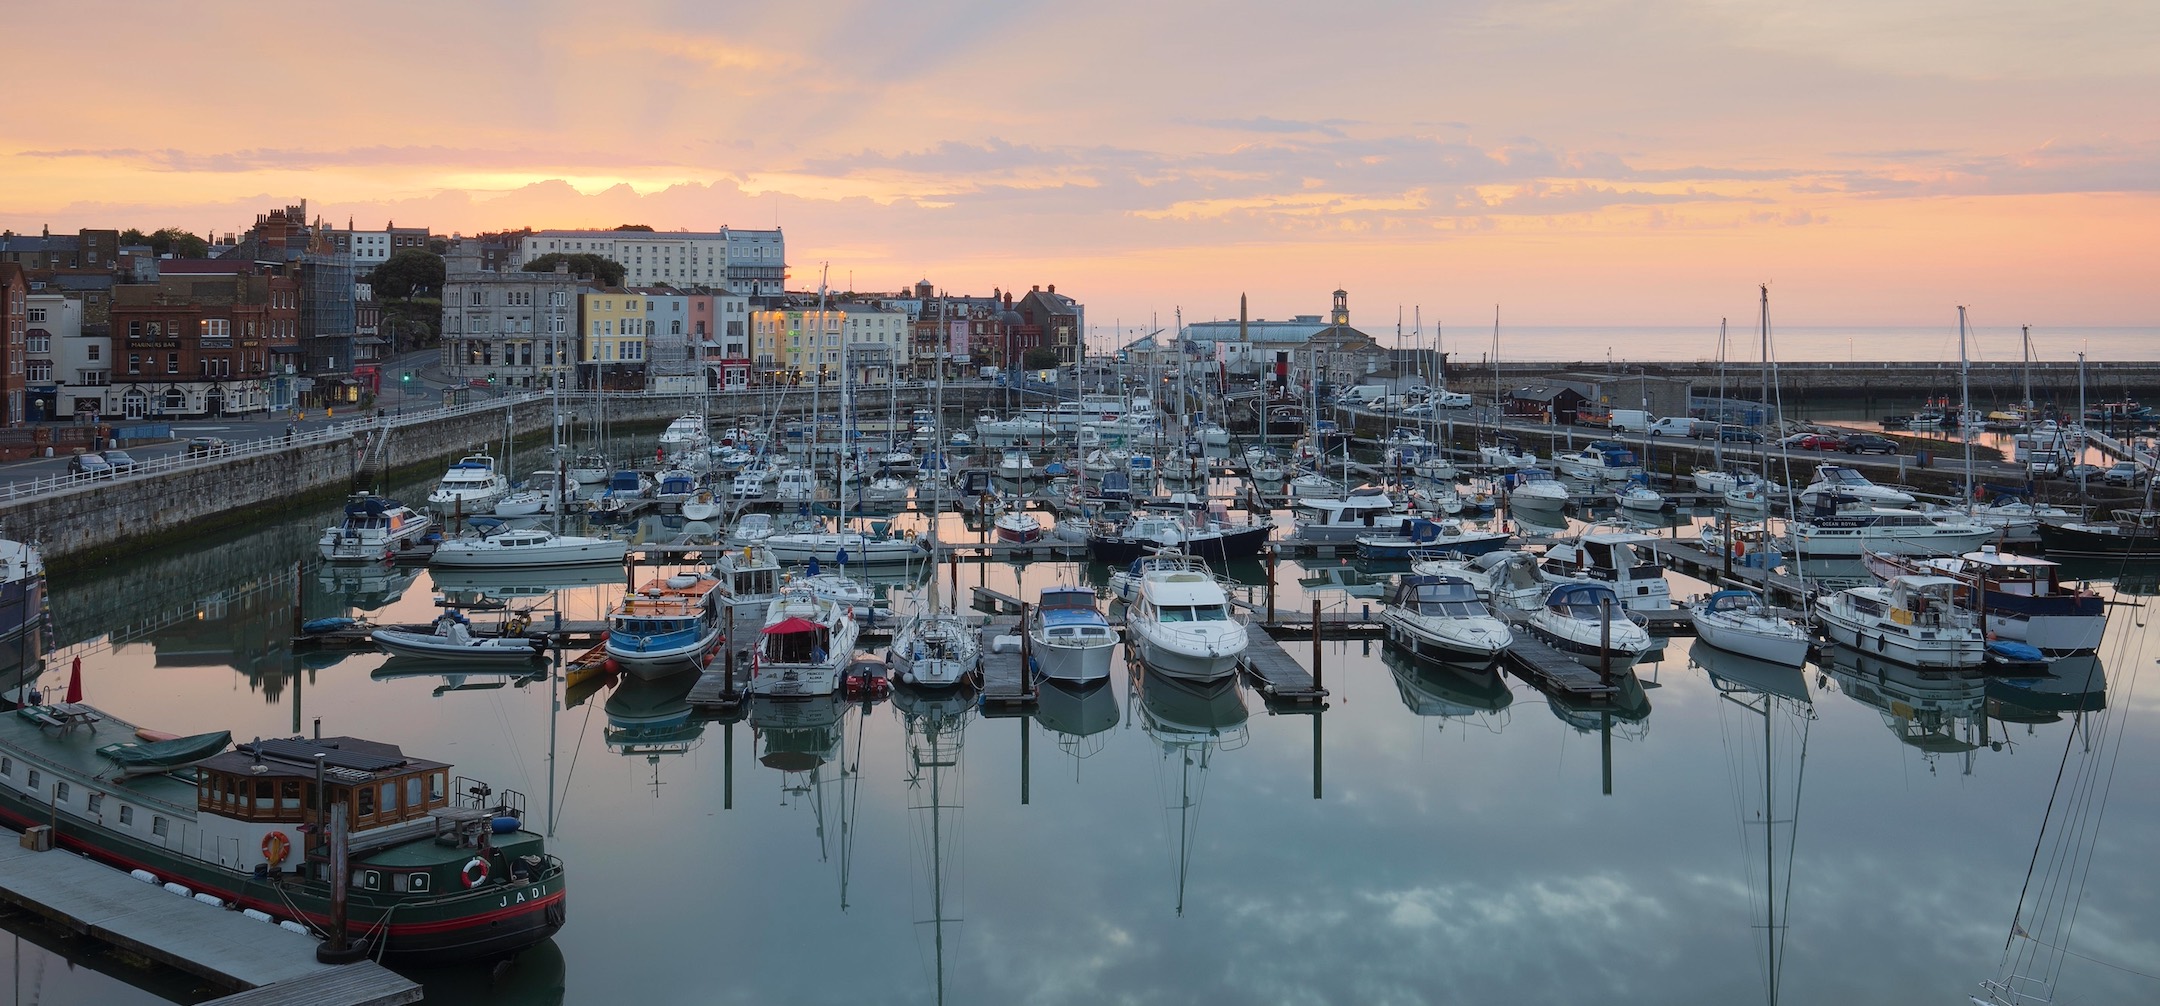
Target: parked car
[(205, 447), (2084, 473), (1869, 443), (92, 465), (2123, 473), (1812, 442), (120, 462), (1420, 409), (1739, 435)]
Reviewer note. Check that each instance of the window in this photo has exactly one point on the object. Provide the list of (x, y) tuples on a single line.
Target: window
[(97, 802), (371, 879), (134, 363), (419, 882), (159, 826), (35, 780), (60, 792), (216, 328), (40, 370), (127, 814), (7, 767), (412, 792), (37, 314), (40, 342), (389, 797), (172, 363), (94, 349), (364, 801), (437, 792)]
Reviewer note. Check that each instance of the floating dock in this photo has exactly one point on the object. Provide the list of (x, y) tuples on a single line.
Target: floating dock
[(1008, 685), (267, 963), (1279, 679), (1555, 673)]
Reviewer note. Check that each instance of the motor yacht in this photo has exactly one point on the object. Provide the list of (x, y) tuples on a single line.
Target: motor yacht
[(1506, 579), (1848, 533), (844, 547), (373, 527), (749, 576), (1212, 537), (1847, 486), (1912, 620), (1440, 618), (1069, 638), (470, 486), (1419, 535), (1366, 511), (796, 485), (1536, 489), (1587, 622), (684, 439), (843, 589), (505, 547), (2021, 597), (1180, 625), (1600, 461), (1625, 559)]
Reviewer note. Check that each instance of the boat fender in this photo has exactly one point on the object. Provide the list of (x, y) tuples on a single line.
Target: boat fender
[(179, 890), (262, 917), (1739, 549), (274, 847), (474, 873), (505, 825), (143, 875), (211, 899), (295, 927)]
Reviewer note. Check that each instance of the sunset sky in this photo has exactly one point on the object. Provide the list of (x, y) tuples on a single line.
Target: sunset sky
[(1582, 162)]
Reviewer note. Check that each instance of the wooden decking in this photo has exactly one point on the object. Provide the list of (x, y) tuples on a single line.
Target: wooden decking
[(1553, 672), (1007, 685), (1279, 679), (270, 964)]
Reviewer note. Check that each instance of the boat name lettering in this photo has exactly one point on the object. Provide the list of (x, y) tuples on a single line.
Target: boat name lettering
[(506, 900)]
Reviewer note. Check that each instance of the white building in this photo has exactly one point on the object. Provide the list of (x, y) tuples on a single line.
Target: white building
[(62, 369), (751, 262), (877, 341)]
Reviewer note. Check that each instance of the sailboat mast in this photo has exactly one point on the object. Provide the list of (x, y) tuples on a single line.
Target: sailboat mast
[(1965, 411), (1717, 446), (1769, 835)]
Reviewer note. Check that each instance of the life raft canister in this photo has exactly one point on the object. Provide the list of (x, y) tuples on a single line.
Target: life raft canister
[(475, 872)]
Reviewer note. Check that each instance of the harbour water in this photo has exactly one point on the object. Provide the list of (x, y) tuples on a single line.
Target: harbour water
[(1429, 837)]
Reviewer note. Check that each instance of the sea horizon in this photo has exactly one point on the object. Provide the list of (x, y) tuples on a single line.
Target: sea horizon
[(1794, 344)]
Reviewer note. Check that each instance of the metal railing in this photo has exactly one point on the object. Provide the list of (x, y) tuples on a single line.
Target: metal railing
[(184, 461)]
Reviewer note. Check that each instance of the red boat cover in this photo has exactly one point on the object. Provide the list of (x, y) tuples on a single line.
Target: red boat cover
[(791, 626)]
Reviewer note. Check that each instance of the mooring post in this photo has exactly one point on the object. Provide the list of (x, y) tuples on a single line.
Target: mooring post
[(1605, 740), (1027, 655), (727, 758), (1604, 671), (728, 644), (1725, 520), (1023, 758), (1316, 644), (1270, 586), (1317, 714)]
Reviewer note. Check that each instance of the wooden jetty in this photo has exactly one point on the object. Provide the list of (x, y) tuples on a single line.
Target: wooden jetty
[(1555, 673), (1009, 684), (267, 963), (1278, 678)]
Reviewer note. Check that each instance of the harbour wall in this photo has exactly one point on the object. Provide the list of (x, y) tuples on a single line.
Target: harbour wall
[(1860, 382)]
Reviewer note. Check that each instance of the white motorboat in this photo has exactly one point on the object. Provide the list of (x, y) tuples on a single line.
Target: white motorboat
[(684, 439), (452, 640), (796, 485), (508, 547), (1753, 495), (1440, 618), (1850, 532), (885, 491), (702, 505), (676, 485), (590, 468), (2023, 598), (1637, 496), (374, 526), (1599, 461), (1180, 625), (470, 486), (1715, 482), (1017, 469), (1751, 543), (753, 528), (1125, 583), (1587, 622), (1102, 461), (747, 484), (839, 588), (1506, 579), (1625, 559), (1069, 637), (669, 625), (1315, 486), (844, 547), (749, 576), (1209, 434), (1506, 459), (1912, 620), (1018, 527), (1021, 431), (522, 503), (1367, 511), (935, 650), (806, 643), (1846, 486), (626, 491), (1738, 621), (1536, 489)]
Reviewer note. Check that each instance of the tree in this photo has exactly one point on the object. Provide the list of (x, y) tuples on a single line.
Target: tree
[(1040, 359), (634, 227), (168, 241), (606, 270), (408, 273)]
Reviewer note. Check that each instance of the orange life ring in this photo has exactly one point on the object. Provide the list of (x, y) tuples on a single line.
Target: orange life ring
[(274, 847), (1739, 549), (467, 874)]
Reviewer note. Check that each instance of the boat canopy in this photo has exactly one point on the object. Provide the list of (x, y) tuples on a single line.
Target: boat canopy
[(792, 625), (1068, 597), (1731, 600), (1416, 590), (1582, 600)]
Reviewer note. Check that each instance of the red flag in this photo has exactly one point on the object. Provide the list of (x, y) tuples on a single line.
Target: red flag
[(75, 682)]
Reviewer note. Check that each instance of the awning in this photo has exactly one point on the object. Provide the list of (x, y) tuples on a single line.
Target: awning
[(791, 626)]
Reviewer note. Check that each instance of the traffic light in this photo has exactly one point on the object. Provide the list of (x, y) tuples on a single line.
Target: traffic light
[(405, 378)]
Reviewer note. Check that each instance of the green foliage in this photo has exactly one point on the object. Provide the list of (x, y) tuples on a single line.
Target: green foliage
[(409, 273), (168, 241), (634, 227), (606, 270), (415, 323), (1040, 359)]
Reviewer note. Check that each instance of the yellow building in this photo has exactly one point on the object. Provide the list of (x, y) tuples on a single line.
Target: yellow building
[(792, 345), (613, 324)]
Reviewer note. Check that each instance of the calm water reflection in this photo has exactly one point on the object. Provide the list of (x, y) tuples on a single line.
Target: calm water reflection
[(1431, 836)]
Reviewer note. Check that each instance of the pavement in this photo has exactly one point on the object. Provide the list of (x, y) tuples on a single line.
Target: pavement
[(425, 391)]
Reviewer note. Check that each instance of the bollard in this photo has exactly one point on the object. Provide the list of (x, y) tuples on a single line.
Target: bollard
[(1604, 672), (1316, 644), (1270, 586)]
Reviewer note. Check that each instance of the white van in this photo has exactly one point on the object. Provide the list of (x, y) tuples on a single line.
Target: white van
[(1631, 420), (1366, 395), (1681, 426)]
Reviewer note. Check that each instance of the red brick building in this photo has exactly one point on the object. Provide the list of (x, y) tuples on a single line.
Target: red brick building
[(197, 342), (15, 324)]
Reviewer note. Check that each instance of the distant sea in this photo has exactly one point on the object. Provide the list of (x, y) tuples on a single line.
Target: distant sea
[(1796, 344)]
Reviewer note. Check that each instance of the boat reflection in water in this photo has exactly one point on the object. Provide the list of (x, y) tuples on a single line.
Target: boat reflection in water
[(935, 723), (479, 586), (1626, 714), (650, 717), (2073, 684), (1936, 713), (805, 740), (365, 586), (1191, 720), (1448, 692), (457, 677), (1081, 715), (1774, 698)]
